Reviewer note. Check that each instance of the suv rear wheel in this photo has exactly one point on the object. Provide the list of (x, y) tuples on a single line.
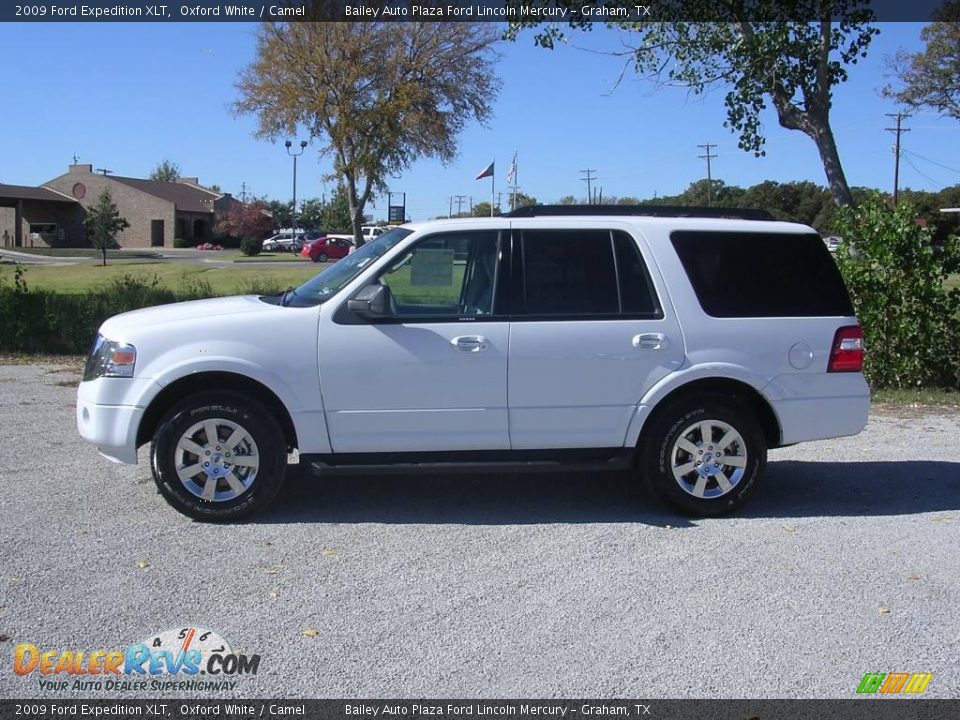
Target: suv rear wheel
[(218, 456), (704, 455)]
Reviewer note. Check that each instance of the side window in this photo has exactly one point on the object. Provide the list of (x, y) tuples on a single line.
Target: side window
[(569, 272), (446, 275), (637, 296)]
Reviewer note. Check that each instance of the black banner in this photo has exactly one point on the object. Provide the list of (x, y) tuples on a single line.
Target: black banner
[(378, 709), (517, 11)]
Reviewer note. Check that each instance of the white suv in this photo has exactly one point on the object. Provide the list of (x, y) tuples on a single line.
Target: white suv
[(681, 343)]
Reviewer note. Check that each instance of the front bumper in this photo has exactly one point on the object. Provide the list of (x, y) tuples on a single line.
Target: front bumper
[(109, 415), (112, 428)]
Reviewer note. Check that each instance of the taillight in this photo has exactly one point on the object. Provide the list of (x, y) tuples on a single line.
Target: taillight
[(846, 355)]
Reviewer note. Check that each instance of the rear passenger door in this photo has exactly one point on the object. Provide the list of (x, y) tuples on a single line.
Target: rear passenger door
[(589, 335)]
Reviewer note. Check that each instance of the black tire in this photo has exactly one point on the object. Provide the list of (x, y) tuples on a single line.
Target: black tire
[(322, 257), (263, 438), (659, 444)]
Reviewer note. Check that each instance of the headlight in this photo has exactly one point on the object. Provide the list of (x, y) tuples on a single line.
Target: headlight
[(110, 359)]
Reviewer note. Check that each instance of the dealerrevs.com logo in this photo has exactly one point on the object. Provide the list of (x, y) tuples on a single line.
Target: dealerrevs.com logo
[(189, 659)]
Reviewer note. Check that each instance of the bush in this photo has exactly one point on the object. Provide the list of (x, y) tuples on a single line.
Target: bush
[(896, 276), (181, 243), (251, 246), (42, 321)]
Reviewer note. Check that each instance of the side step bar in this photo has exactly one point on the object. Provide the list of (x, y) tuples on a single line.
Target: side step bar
[(470, 462)]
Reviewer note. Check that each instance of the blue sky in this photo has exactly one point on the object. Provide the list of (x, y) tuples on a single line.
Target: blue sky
[(124, 96)]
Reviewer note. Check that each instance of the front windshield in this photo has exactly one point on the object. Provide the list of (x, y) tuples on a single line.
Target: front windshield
[(324, 286)]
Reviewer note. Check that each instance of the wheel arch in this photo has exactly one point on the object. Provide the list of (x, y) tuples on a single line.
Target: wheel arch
[(213, 381), (726, 387)]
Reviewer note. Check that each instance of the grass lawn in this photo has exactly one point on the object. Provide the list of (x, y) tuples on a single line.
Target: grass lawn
[(87, 253), (226, 281)]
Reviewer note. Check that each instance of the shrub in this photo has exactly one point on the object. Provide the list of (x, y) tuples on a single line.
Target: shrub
[(251, 246), (896, 276), (50, 322), (181, 243)]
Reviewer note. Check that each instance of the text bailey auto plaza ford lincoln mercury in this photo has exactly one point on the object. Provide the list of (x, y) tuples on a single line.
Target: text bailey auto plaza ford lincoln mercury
[(680, 342)]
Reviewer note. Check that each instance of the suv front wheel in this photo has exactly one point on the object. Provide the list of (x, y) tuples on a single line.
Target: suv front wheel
[(704, 455), (218, 456)]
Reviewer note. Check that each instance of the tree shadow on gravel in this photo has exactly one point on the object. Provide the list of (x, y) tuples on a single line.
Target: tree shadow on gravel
[(790, 489)]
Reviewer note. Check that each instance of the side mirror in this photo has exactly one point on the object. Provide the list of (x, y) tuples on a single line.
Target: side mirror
[(371, 303)]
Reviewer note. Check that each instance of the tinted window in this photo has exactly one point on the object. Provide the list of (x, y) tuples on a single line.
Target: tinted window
[(569, 272), (762, 274), (637, 296)]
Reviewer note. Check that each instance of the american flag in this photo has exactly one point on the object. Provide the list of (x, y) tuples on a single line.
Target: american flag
[(512, 172)]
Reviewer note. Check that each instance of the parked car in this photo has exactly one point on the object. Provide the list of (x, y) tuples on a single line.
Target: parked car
[(372, 232), (832, 242), (680, 343), (281, 241), (326, 248)]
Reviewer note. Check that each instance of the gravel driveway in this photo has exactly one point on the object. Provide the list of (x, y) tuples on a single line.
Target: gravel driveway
[(846, 561)]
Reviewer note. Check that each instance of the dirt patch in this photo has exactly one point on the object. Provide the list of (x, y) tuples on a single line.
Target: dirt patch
[(913, 410)]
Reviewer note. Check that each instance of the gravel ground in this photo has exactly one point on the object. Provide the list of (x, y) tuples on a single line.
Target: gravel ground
[(846, 561)]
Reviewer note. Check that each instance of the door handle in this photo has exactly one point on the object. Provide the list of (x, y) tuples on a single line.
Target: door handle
[(470, 343), (650, 341)]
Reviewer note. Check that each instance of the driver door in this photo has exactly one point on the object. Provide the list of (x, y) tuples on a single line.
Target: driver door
[(432, 375)]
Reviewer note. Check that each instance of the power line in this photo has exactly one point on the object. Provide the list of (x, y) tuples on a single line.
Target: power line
[(589, 178), (932, 162), (938, 185), (900, 116), (708, 157)]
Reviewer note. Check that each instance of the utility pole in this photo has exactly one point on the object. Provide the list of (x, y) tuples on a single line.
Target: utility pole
[(588, 177), (499, 195), (471, 204), (243, 191), (450, 211), (460, 199), (709, 157), (900, 116)]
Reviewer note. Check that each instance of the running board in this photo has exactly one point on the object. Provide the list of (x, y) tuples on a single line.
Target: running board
[(471, 462)]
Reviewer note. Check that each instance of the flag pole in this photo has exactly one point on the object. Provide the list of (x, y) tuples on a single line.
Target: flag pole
[(493, 182)]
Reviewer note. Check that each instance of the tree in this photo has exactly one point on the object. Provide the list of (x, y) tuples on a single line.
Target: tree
[(166, 171), (336, 216), (379, 94), (282, 213), (310, 216), (897, 278), (792, 64), (103, 223), (482, 209), (932, 78), (245, 220), (520, 200)]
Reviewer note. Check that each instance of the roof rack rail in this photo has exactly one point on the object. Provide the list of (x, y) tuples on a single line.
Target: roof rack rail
[(640, 210)]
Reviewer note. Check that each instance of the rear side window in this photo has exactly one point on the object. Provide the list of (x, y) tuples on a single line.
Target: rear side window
[(570, 273), (762, 274)]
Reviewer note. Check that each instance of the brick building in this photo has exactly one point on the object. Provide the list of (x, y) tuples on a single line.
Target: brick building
[(158, 212)]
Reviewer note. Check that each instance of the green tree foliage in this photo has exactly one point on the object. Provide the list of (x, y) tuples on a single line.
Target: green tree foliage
[(482, 209), (166, 171), (103, 223), (792, 65), (380, 95), (282, 213), (310, 215), (251, 246), (336, 216), (895, 274), (931, 78)]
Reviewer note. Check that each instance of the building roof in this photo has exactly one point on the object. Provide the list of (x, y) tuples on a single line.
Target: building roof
[(25, 192), (189, 198)]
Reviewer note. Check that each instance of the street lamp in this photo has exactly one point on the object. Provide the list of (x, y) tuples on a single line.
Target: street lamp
[(295, 155)]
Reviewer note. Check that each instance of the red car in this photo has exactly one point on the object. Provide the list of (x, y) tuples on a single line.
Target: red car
[(326, 248)]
